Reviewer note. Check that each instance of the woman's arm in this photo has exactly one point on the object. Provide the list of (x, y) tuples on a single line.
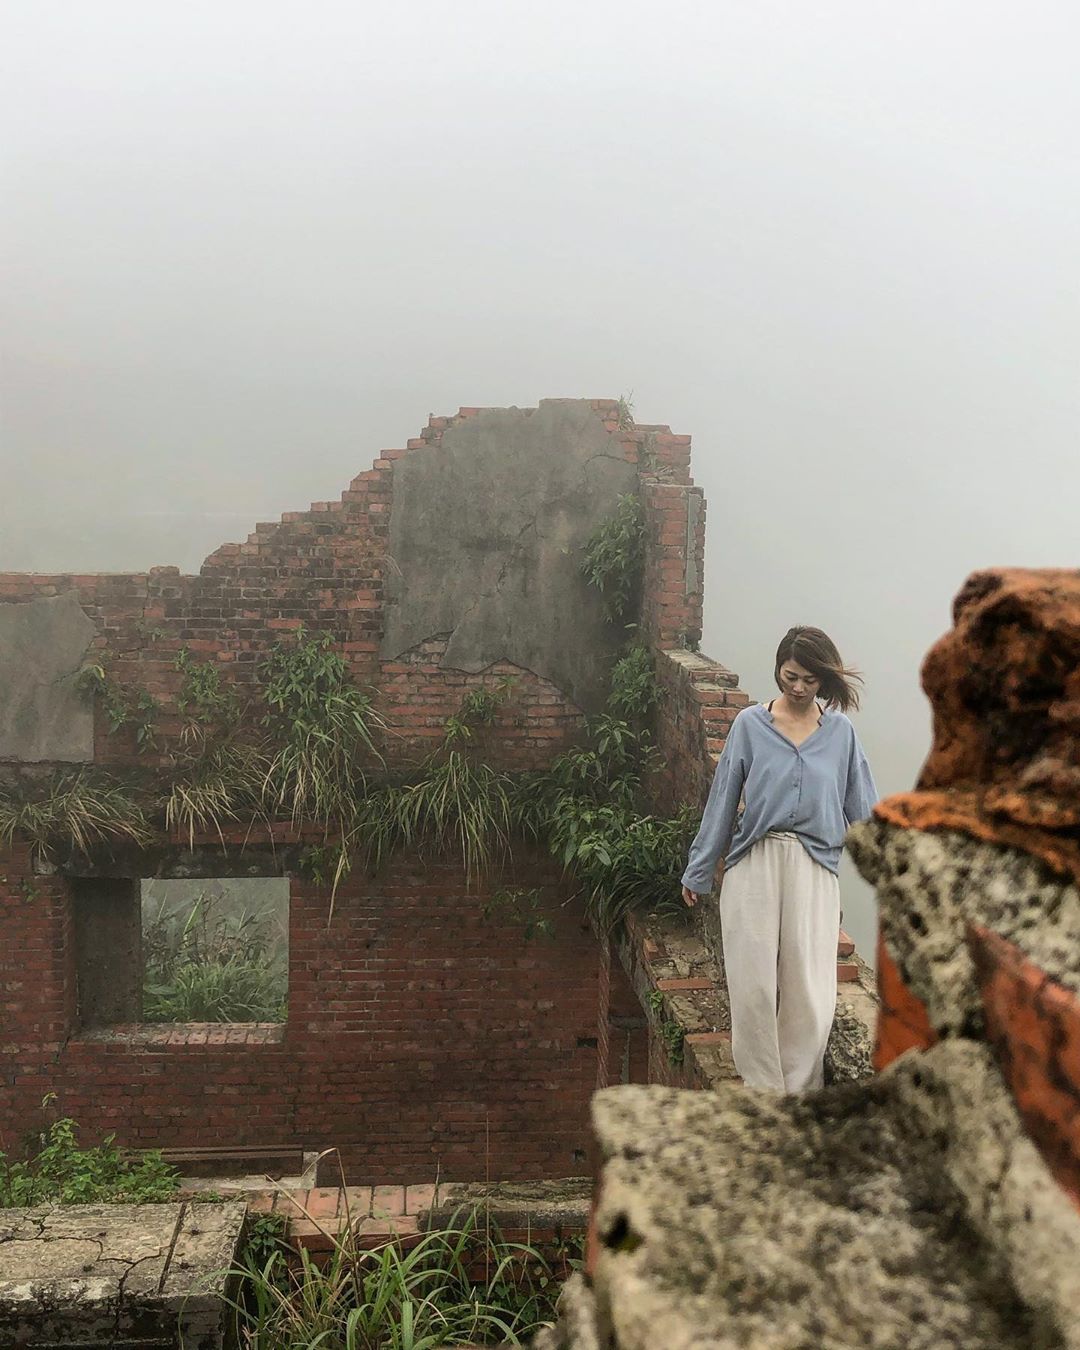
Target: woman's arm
[(860, 793), (718, 823)]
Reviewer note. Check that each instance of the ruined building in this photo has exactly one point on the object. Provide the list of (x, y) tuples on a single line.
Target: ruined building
[(438, 1019)]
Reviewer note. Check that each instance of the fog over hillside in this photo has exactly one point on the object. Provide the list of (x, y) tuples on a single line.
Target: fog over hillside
[(248, 245)]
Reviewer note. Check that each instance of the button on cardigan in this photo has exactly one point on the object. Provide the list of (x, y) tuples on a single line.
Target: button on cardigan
[(814, 790)]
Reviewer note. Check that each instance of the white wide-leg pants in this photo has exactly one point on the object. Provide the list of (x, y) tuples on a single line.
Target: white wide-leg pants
[(780, 919)]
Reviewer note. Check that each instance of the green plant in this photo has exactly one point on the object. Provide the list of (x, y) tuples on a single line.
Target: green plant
[(672, 1033), (213, 704), (673, 1036), (323, 728), (123, 706), (521, 907), (217, 785), (79, 810), (460, 806), (625, 410), (154, 632), (479, 706), (478, 709), (615, 558), (462, 1285), (634, 691), (231, 991), (264, 1240), (61, 1172), (318, 863)]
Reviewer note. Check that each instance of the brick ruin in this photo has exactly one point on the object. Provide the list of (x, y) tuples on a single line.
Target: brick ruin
[(422, 1036)]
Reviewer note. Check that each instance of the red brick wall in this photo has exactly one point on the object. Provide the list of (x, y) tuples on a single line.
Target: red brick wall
[(421, 1036), (699, 701), (533, 724), (322, 568)]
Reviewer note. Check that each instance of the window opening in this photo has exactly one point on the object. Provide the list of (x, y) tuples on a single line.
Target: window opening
[(215, 950)]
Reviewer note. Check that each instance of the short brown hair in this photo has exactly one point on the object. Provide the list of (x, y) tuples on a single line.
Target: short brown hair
[(816, 652)]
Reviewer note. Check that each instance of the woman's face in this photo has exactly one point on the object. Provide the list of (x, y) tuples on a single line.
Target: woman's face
[(798, 684)]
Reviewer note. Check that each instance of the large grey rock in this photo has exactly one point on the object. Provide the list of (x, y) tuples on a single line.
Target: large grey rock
[(43, 716), (909, 1212), (932, 886), (486, 542)]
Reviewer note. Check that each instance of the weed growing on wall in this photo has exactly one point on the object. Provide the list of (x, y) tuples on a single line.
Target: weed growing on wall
[(614, 559), (313, 756), (83, 809), (457, 804), (322, 729), (672, 1033), (634, 691), (60, 1172), (211, 704), (522, 907), (123, 706)]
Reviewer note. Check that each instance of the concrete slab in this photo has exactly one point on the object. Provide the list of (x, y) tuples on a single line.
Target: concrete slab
[(124, 1275), (487, 537), (43, 716)]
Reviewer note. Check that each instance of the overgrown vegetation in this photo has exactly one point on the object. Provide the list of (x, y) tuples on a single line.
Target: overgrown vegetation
[(80, 810), (213, 967), (123, 706), (634, 693), (322, 731), (463, 1285), (60, 1172), (615, 558), (456, 804), (305, 745)]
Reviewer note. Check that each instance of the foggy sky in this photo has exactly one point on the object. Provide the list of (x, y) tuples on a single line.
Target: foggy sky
[(247, 245)]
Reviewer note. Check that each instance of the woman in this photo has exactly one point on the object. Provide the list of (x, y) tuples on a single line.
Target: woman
[(804, 778)]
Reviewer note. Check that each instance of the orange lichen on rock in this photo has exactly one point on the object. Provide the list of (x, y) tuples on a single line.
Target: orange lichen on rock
[(1033, 1023), (1005, 688), (903, 1023)]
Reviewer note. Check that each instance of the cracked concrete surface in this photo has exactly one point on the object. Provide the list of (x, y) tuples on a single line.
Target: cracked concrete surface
[(486, 538), (42, 714), (84, 1274)]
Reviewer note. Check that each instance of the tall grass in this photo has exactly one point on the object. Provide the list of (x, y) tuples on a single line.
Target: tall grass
[(463, 1285), (219, 784), (78, 810), (323, 730)]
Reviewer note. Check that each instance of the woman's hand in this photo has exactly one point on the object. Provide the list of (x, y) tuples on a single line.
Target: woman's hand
[(690, 898)]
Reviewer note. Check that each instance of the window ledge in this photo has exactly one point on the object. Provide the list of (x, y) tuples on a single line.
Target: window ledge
[(184, 1033)]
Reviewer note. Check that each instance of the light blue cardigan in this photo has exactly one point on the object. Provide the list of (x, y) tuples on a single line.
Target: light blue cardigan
[(815, 790)]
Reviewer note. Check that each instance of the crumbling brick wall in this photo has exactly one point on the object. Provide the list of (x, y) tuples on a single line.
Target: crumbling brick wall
[(419, 1036)]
